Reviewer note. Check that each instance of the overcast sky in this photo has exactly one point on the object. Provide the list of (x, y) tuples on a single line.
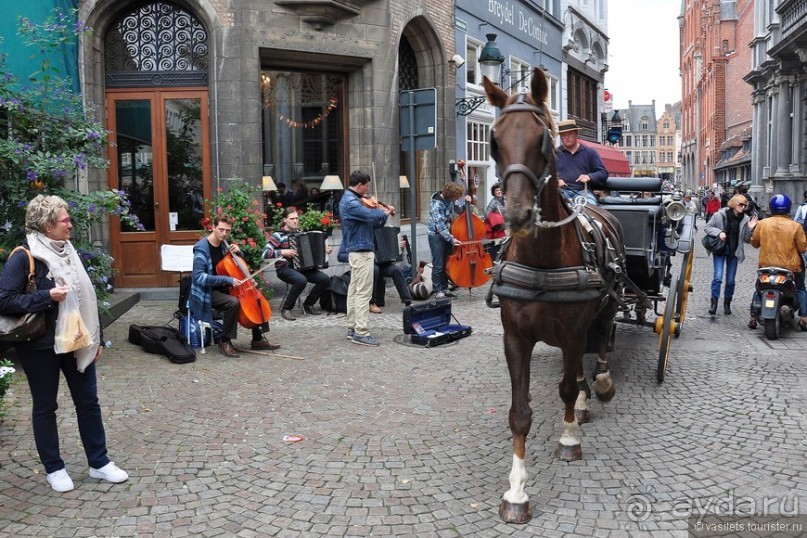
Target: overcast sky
[(643, 52)]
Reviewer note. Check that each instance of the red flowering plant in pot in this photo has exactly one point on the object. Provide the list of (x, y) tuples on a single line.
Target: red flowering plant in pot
[(315, 219), (240, 201)]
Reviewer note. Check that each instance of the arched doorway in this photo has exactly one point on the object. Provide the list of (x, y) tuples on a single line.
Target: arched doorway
[(156, 61)]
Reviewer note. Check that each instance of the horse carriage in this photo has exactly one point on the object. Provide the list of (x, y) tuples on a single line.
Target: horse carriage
[(655, 227), (570, 271)]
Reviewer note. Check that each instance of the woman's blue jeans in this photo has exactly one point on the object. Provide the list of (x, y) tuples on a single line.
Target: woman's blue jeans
[(730, 263)]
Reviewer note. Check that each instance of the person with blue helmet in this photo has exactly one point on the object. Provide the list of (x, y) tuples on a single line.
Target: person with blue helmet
[(781, 243)]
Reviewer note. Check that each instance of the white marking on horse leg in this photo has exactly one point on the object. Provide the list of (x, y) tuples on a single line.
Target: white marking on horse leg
[(518, 478), (582, 402), (571, 434), (603, 383)]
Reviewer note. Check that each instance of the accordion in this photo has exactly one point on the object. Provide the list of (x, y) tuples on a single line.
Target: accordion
[(310, 247), (387, 247)]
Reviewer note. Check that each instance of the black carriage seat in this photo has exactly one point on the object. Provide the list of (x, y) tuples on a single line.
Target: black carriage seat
[(640, 217)]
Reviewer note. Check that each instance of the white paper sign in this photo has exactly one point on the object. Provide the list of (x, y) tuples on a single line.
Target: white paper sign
[(173, 220)]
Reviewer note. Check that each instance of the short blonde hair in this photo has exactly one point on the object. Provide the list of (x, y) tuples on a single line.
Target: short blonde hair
[(42, 211), (453, 191), (737, 199)]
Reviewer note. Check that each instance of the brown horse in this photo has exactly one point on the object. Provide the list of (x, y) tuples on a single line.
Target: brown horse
[(559, 280)]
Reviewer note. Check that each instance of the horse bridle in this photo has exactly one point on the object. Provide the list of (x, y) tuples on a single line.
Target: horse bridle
[(547, 149)]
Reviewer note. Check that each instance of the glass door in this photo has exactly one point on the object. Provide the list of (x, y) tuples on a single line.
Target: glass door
[(159, 157)]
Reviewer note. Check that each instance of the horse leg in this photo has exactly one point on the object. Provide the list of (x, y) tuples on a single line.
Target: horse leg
[(515, 505), (604, 386), (581, 411), (569, 448)]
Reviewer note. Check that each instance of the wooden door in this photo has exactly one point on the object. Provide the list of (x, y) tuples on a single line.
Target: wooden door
[(159, 156)]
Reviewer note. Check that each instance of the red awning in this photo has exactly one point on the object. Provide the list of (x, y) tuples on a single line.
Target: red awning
[(613, 159)]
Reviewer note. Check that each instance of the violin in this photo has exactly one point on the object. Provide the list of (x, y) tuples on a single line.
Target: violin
[(254, 309), (373, 203), (468, 264)]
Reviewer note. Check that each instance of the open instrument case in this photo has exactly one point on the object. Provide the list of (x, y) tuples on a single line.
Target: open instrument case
[(429, 324)]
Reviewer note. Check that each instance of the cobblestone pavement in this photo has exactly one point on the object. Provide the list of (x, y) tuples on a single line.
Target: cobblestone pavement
[(405, 441)]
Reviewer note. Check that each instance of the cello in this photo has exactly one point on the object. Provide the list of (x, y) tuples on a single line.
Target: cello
[(254, 310), (468, 263)]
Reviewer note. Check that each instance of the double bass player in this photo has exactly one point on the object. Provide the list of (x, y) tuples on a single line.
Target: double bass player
[(210, 290), (444, 205)]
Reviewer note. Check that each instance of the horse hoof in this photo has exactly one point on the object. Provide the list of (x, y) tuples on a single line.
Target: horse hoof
[(515, 513), (607, 395), (583, 416), (569, 452)]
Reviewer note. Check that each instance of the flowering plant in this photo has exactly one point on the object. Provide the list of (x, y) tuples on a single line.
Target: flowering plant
[(314, 219), (49, 138), (6, 376), (274, 216)]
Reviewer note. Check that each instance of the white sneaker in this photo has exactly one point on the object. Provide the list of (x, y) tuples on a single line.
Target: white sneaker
[(110, 472), (60, 481)]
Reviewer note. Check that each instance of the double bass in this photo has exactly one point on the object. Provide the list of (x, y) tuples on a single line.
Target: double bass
[(468, 264), (254, 310)]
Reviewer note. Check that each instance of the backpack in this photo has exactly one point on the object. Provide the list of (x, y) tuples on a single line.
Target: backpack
[(334, 299)]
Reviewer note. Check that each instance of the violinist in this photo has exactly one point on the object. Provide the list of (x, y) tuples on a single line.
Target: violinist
[(444, 206), (279, 246), (209, 290), (358, 222)]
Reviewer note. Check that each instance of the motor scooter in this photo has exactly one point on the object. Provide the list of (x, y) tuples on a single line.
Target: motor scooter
[(774, 304)]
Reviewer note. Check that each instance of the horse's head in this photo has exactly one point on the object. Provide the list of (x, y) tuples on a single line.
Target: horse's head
[(521, 144)]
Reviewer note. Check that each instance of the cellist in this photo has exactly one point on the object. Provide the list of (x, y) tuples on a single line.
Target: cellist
[(444, 206), (209, 290)]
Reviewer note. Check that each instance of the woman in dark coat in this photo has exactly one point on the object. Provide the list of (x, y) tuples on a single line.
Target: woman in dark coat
[(58, 271)]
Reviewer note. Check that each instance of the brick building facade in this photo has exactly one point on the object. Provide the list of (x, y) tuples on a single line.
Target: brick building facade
[(711, 36)]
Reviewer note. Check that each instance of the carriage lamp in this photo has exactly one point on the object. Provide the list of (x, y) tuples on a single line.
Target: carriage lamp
[(676, 210)]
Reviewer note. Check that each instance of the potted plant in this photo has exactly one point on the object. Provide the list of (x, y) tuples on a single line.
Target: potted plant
[(314, 219)]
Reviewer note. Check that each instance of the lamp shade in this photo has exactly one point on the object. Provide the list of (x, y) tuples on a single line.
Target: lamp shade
[(404, 182), (331, 183), (268, 184)]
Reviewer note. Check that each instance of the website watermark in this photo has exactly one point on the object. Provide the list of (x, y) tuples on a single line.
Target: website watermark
[(716, 515)]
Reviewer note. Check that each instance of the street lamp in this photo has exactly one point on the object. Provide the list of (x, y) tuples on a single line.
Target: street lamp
[(491, 59), (490, 65)]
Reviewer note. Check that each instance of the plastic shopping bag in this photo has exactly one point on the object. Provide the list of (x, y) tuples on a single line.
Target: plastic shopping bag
[(71, 332)]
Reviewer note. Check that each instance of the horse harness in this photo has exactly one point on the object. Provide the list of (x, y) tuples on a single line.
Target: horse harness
[(603, 267)]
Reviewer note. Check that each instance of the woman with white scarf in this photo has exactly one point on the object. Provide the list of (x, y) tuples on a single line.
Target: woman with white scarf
[(58, 270)]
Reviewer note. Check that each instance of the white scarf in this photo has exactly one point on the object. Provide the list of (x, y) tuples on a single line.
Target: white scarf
[(65, 266)]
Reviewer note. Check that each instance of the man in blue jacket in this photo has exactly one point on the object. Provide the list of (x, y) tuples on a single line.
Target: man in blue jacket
[(358, 222), (579, 167)]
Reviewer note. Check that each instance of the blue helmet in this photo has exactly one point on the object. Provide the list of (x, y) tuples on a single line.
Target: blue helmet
[(780, 205)]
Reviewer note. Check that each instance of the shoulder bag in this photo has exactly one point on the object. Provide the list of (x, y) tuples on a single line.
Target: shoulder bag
[(713, 243), (25, 327)]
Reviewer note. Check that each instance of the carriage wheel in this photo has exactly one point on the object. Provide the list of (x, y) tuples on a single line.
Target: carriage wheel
[(668, 329), (684, 287)]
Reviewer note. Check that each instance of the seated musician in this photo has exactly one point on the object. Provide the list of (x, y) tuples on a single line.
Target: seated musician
[(380, 272), (392, 270), (279, 246), (210, 290)]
